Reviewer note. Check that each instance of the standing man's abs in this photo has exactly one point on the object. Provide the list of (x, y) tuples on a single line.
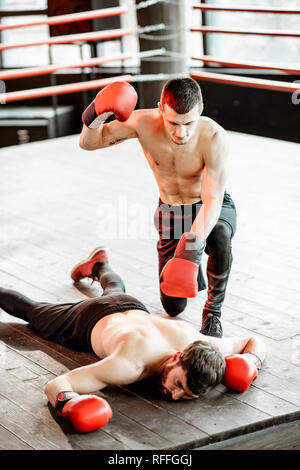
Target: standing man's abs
[(178, 186), (180, 191), (179, 178), (178, 173)]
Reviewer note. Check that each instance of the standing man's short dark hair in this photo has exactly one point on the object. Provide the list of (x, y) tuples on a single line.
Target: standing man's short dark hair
[(182, 95)]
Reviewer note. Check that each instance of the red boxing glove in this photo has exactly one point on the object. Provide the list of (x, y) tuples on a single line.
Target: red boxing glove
[(240, 371), (86, 412), (179, 278), (118, 98)]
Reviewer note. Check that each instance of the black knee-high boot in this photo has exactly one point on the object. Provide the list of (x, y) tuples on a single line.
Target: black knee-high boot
[(218, 271)]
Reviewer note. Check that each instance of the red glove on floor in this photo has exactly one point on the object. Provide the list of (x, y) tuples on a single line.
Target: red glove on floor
[(241, 370), (86, 412)]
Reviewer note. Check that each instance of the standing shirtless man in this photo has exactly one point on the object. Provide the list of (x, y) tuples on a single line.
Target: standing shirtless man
[(188, 155)]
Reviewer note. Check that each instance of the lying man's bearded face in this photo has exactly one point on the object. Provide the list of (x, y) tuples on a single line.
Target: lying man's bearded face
[(172, 384)]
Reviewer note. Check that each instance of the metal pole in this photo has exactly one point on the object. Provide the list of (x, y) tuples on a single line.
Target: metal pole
[(172, 38)]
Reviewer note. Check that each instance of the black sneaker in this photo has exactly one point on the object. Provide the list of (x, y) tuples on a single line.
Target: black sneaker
[(211, 326)]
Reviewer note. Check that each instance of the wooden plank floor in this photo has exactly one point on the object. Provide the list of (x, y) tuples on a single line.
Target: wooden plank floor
[(56, 203)]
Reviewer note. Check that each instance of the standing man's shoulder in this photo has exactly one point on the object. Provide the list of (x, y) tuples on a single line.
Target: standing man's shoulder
[(210, 128), (145, 116), (146, 122), (215, 143)]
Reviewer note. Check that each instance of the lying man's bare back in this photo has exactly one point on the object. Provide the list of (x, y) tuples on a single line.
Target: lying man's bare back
[(149, 341)]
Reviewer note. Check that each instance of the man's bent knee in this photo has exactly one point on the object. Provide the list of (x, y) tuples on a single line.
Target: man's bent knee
[(173, 305), (220, 237)]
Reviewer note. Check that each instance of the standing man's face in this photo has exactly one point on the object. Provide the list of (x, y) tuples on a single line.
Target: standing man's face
[(180, 127)]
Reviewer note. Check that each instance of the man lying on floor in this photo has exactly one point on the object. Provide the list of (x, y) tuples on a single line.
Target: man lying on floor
[(132, 345)]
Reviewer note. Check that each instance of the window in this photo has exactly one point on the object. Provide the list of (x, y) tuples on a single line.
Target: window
[(235, 47), (255, 48), (60, 54)]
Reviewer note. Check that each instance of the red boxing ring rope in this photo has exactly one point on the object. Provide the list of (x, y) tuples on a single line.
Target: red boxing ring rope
[(117, 33), (246, 82), (62, 19), (34, 71), (258, 32), (247, 65), (60, 89), (69, 38), (92, 84), (241, 9)]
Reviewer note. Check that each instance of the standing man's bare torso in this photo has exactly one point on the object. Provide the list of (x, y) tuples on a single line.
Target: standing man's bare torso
[(178, 169)]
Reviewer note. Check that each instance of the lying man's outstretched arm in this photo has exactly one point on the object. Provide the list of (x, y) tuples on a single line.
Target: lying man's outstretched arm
[(240, 345), (243, 356), (89, 412)]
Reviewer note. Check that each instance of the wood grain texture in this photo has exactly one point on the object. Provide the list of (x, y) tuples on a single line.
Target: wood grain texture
[(56, 203)]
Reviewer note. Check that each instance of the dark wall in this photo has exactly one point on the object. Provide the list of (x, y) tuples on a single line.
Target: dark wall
[(254, 111)]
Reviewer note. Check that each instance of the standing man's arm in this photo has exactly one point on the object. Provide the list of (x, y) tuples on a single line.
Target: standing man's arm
[(216, 154), (118, 98), (108, 134)]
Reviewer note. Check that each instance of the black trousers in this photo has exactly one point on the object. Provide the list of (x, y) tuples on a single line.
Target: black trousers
[(71, 324), (171, 222)]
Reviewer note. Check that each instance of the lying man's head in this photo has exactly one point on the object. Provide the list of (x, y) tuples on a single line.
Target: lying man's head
[(198, 369)]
